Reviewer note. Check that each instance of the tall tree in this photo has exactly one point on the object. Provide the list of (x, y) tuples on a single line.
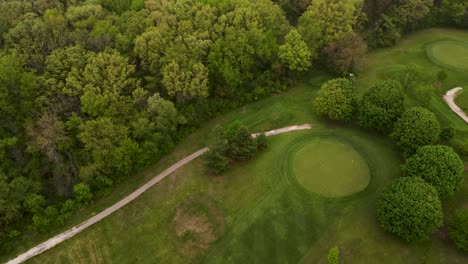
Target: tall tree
[(333, 18), (295, 53)]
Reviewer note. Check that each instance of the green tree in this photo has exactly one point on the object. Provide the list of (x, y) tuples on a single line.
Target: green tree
[(334, 18), (216, 160), (336, 100), (382, 105), (407, 12), (82, 193), (185, 81), (294, 52), (458, 229), (34, 203), (346, 54), (410, 209), (416, 128), (245, 47), (240, 143), (18, 91), (439, 166)]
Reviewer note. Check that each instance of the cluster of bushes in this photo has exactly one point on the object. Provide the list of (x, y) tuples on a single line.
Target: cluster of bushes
[(234, 143), (411, 206)]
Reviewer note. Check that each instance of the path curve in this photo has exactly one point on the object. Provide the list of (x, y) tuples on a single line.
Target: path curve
[(78, 228), (449, 98)]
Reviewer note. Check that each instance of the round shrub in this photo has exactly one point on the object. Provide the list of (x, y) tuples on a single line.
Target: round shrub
[(439, 166), (336, 100), (410, 208), (416, 128), (382, 105), (458, 229)]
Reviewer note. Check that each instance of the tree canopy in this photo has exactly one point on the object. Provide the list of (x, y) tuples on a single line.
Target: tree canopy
[(336, 100), (410, 209), (416, 128), (382, 105), (439, 166)]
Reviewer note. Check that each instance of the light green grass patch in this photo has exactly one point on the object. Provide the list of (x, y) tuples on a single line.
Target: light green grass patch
[(330, 168)]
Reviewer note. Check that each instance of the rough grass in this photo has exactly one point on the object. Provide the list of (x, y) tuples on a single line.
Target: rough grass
[(329, 167)]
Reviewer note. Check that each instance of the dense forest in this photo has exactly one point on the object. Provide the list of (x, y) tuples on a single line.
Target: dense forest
[(93, 91)]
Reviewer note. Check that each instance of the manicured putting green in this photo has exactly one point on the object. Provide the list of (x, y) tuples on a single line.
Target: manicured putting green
[(330, 168), (449, 53)]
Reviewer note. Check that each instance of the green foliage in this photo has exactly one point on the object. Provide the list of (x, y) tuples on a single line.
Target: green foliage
[(34, 203), (406, 12), (382, 105), (346, 54), (384, 34), (82, 193), (188, 80), (336, 100), (447, 133), (240, 143), (439, 166), (294, 52), (333, 255), (13, 193), (458, 229), (262, 142), (334, 18), (416, 128), (410, 209), (216, 160)]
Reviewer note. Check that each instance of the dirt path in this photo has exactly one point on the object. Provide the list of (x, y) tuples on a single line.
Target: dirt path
[(77, 229), (449, 97)]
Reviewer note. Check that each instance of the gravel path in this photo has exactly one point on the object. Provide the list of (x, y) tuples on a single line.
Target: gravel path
[(77, 229), (449, 97)]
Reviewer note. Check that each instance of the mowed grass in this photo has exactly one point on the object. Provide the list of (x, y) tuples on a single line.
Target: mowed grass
[(329, 167), (462, 99), (449, 53), (268, 217)]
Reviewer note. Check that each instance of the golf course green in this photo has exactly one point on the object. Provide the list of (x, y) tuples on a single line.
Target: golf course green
[(330, 167), (452, 54)]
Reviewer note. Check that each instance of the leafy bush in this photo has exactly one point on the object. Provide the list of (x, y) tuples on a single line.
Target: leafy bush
[(447, 133), (262, 142), (416, 128), (82, 193), (216, 160), (439, 166), (240, 143), (458, 229), (382, 105), (410, 209), (336, 100)]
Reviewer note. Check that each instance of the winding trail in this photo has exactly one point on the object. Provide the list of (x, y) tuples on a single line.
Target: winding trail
[(78, 228), (449, 97)]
